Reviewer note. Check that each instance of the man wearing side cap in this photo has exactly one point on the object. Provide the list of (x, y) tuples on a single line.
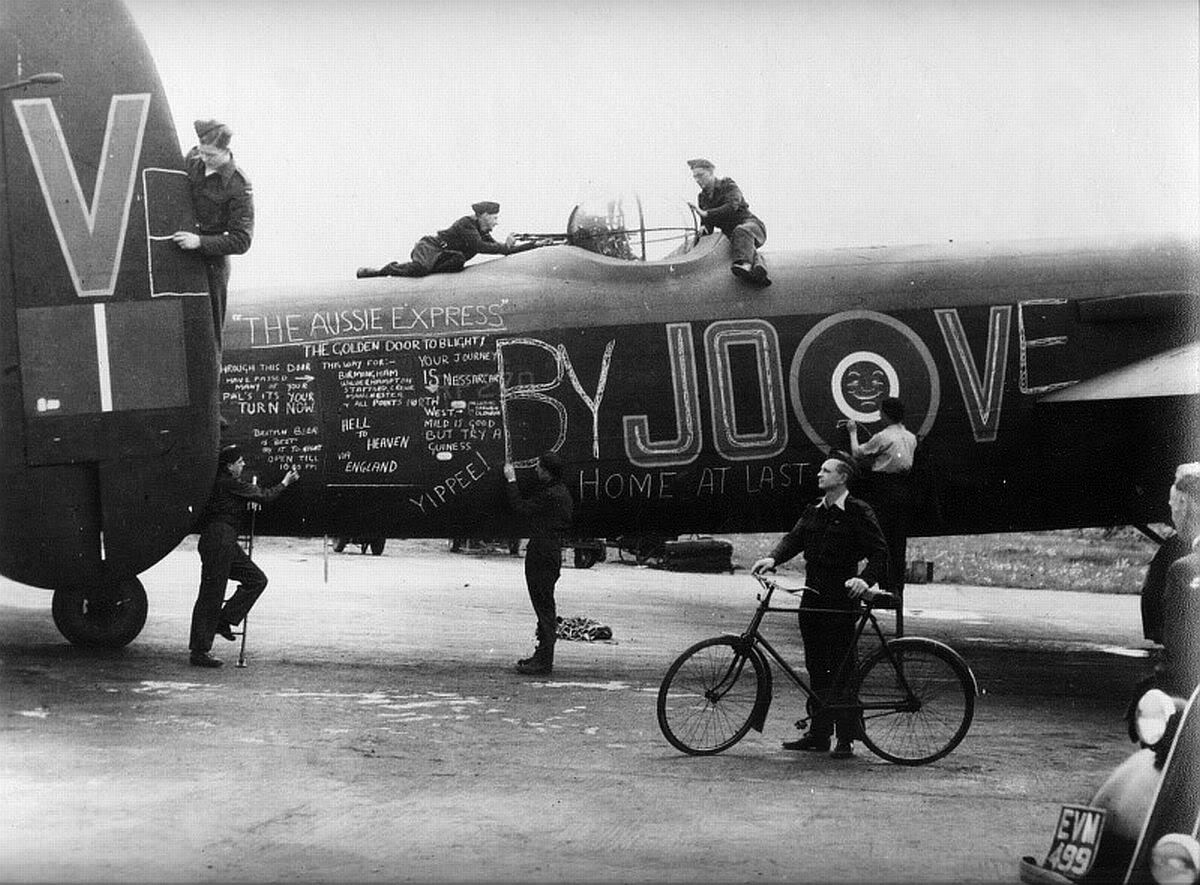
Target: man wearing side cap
[(223, 202), (221, 558), (449, 250), (723, 207), (549, 508)]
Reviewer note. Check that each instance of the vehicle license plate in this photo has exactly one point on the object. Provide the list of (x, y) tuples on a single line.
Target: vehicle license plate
[(1076, 841)]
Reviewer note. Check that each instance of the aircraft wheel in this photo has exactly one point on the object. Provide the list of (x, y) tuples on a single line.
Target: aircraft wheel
[(585, 558), (101, 617), (377, 546)]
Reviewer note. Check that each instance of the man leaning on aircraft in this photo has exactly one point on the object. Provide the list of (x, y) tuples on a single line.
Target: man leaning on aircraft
[(223, 203), (449, 250)]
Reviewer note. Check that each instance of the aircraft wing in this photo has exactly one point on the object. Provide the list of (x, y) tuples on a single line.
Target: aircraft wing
[(1171, 373)]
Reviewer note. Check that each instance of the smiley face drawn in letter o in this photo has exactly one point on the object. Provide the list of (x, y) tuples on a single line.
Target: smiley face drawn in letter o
[(848, 362)]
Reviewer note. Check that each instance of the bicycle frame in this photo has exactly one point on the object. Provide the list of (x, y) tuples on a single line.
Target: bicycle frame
[(910, 701), (755, 643)]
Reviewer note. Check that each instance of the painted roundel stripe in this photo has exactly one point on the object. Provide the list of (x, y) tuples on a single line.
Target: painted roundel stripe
[(848, 363)]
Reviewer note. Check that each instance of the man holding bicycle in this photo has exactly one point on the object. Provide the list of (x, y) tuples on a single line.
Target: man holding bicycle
[(835, 535)]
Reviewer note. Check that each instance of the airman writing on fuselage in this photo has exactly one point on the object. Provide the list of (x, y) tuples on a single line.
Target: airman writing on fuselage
[(223, 202), (888, 486), (222, 560), (449, 250), (549, 508), (723, 206)]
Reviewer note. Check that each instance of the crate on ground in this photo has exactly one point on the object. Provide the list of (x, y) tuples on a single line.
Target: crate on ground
[(919, 571), (698, 554)]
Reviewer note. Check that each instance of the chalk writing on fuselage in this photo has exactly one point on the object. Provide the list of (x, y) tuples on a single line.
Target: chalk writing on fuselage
[(267, 330), (459, 391), (842, 368)]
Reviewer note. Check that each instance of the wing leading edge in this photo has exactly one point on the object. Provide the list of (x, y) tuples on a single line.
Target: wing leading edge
[(1171, 373)]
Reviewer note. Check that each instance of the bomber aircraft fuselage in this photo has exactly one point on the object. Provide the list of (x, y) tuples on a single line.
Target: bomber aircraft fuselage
[(685, 401)]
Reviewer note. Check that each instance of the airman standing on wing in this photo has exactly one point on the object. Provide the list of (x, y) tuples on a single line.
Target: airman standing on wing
[(723, 206)]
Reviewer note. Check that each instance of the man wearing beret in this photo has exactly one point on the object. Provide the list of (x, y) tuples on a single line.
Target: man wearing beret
[(448, 250), (723, 206), (223, 202), (222, 560)]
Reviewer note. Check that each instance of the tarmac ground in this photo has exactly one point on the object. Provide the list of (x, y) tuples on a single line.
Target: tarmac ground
[(379, 733)]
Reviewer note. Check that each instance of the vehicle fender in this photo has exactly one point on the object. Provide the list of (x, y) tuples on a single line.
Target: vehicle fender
[(1127, 794)]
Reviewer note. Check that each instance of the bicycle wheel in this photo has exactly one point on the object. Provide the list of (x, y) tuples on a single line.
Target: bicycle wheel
[(707, 698), (929, 719)]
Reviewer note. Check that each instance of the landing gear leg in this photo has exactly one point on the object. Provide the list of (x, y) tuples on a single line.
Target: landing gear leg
[(104, 616)]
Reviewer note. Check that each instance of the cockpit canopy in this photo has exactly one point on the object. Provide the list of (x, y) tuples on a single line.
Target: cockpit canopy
[(633, 229)]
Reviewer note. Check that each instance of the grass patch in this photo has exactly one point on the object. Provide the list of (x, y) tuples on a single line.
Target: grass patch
[(1092, 560)]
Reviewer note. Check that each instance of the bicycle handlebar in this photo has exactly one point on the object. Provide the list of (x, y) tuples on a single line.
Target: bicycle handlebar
[(872, 598)]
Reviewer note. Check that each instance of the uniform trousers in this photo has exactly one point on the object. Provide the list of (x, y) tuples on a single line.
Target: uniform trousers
[(543, 564), (890, 496), (216, 267), (222, 560), (828, 636), (428, 256), (746, 238)]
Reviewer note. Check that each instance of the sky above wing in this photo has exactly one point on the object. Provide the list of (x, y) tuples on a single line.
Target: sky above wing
[(365, 125)]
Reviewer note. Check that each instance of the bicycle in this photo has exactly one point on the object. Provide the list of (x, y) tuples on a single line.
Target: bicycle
[(915, 697)]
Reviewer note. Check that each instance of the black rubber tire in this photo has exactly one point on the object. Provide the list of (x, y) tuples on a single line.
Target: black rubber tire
[(105, 617), (585, 558), (943, 691), (692, 717), (377, 545)]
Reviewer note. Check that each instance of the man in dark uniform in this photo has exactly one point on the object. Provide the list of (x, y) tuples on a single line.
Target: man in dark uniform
[(223, 560), (1173, 548), (1180, 666), (223, 202), (723, 206), (449, 250), (549, 509), (835, 534)]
